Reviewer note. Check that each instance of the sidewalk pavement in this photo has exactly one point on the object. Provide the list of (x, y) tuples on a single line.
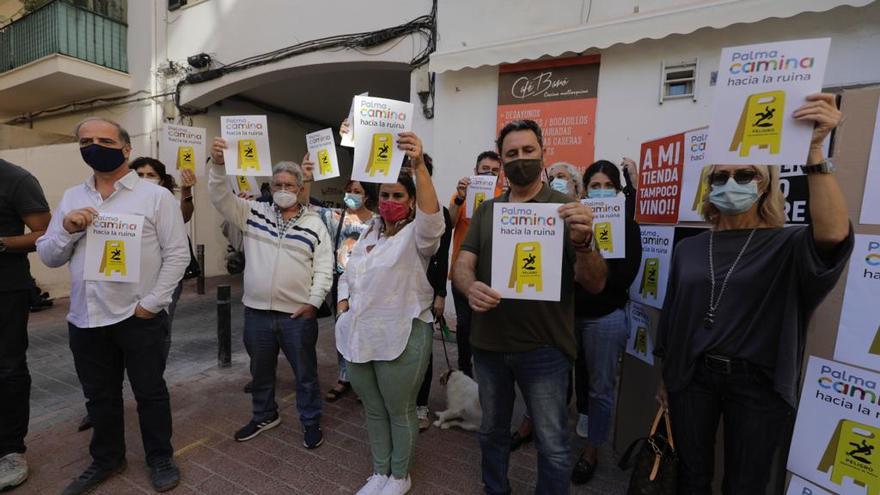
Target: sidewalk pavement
[(208, 405)]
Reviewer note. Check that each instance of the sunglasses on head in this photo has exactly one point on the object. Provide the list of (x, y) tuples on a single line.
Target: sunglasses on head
[(742, 177)]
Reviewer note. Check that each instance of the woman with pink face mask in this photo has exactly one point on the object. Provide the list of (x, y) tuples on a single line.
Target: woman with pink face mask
[(385, 320)]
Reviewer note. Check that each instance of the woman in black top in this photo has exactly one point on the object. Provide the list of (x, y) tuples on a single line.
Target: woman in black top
[(601, 325), (734, 322)]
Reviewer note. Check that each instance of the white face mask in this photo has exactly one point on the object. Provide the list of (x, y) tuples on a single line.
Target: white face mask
[(151, 180), (284, 199)]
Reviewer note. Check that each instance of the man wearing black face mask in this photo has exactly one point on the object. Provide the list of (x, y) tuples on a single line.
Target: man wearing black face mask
[(529, 343), (116, 327)]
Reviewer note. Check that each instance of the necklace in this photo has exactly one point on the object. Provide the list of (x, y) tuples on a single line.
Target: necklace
[(709, 320)]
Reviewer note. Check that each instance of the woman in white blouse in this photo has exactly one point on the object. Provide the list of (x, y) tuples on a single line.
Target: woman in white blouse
[(384, 329)]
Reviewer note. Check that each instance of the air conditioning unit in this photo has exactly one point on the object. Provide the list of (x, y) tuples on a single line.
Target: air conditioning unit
[(176, 4)]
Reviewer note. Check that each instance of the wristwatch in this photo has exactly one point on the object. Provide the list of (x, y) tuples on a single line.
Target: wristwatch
[(459, 200), (825, 167)]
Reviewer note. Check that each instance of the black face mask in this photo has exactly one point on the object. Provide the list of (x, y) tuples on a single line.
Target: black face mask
[(523, 171), (101, 158)]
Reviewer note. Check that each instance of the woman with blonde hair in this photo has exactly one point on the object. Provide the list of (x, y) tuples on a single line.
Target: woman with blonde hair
[(734, 321)]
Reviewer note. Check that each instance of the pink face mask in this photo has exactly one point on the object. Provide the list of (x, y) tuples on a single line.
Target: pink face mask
[(392, 211)]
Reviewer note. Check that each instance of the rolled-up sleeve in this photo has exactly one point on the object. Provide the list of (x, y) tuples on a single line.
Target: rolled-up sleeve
[(429, 230), (174, 251)]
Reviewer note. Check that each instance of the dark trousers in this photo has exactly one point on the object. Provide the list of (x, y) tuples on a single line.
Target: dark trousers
[(463, 332), (101, 356), (543, 377), (15, 380), (757, 423), (265, 332), (425, 390)]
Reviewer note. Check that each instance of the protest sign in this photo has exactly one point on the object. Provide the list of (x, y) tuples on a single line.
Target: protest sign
[(836, 441), (649, 286), (481, 188), (639, 343), (246, 184), (858, 336), (347, 139), (758, 88), (660, 172), (871, 199), (113, 248), (182, 147), (378, 123), (561, 96), (796, 190), (694, 187), (527, 251), (247, 141), (322, 151), (609, 225), (800, 486)]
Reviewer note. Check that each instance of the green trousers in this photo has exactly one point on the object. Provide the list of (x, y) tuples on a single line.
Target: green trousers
[(388, 391)]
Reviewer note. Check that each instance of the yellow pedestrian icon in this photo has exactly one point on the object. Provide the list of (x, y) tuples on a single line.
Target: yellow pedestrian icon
[(875, 345), (478, 199), (650, 274), (244, 185), (640, 343), (760, 123), (702, 191), (113, 259), (526, 267), (186, 158), (380, 154), (604, 236), (325, 165), (247, 155), (854, 452)]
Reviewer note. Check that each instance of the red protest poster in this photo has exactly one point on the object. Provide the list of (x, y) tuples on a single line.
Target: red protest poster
[(560, 95), (660, 173)]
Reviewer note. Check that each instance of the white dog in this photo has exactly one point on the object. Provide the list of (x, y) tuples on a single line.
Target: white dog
[(462, 402)]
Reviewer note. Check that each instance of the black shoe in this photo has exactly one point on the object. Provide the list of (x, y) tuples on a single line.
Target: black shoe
[(85, 424), (93, 476), (517, 440), (583, 471), (249, 387), (164, 475), (312, 437), (253, 428)]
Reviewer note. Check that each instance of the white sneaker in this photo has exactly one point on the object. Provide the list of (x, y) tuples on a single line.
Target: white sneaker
[(423, 414), (374, 485), (395, 486), (583, 426), (13, 471)]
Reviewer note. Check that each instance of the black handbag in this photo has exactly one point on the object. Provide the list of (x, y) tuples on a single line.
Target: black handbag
[(655, 467), (193, 270)]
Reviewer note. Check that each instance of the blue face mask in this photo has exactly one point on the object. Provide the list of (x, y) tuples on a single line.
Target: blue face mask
[(601, 193), (560, 185), (353, 201), (102, 158), (732, 198)]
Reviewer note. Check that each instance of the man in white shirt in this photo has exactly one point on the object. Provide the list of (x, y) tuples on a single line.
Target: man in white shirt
[(118, 326), (288, 273)]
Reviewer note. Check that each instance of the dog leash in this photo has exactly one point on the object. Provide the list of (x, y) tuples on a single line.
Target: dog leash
[(441, 322)]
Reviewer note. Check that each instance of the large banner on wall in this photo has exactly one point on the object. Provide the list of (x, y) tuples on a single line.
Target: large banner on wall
[(670, 171), (560, 95)]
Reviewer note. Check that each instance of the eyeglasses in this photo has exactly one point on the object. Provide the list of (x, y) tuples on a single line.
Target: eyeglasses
[(742, 177)]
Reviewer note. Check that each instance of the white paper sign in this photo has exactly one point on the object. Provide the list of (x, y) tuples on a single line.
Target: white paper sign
[(836, 442), (246, 184), (527, 251), (247, 141), (609, 225), (871, 200), (649, 287), (113, 248), (322, 151), (693, 188), (639, 343), (182, 147), (481, 188), (378, 123), (800, 486), (858, 336), (758, 89), (347, 139)]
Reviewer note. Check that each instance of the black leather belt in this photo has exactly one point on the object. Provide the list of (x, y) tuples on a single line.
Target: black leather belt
[(725, 365)]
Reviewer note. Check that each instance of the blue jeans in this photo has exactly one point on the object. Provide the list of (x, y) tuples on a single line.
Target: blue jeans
[(601, 341), (265, 332), (543, 377)]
